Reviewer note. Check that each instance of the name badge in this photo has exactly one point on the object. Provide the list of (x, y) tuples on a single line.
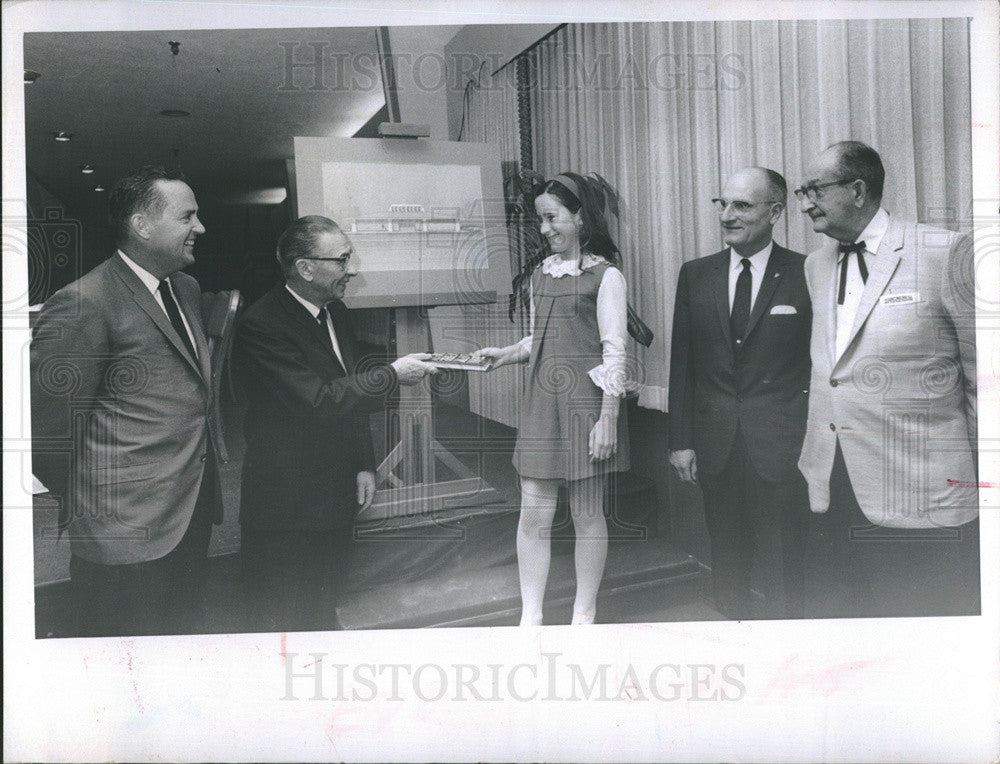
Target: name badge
[(904, 298)]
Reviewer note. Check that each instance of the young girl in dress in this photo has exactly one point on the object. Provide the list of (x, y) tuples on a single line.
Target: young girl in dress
[(572, 427)]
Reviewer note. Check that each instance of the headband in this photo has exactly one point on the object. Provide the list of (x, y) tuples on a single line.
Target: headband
[(574, 189), (570, 185)]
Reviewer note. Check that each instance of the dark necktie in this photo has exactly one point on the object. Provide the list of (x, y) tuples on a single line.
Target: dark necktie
[(846, 249), (740, 316), (175, 316), (321, 320)]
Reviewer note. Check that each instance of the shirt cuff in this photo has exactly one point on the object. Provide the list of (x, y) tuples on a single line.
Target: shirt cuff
[(610, 378)]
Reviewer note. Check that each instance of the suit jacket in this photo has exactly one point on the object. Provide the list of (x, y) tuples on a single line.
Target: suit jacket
[(306, 426), (902, 397), (122, 418), (761, 389)]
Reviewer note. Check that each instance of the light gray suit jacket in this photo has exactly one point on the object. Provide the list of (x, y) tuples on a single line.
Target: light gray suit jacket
[(122, 415), (902, 397)]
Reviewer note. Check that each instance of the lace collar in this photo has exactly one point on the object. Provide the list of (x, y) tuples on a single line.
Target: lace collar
[(556, 267)]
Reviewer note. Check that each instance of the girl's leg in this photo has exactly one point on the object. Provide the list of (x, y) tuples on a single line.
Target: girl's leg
[(586, 502), (538, 507)]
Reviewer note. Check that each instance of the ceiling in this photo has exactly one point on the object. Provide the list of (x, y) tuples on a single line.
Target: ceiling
[(108, 88)]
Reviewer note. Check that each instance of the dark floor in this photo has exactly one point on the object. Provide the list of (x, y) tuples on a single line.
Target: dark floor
[(457, 567)]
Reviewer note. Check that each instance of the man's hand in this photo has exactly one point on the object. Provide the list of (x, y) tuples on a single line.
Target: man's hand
[(412, 368), (686, 465), (366, 489)]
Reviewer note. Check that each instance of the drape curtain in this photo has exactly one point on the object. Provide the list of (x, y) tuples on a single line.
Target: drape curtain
[(491, 116), (666, 111)]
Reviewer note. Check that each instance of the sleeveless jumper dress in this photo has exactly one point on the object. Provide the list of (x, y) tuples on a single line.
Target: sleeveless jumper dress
[(561, 403)]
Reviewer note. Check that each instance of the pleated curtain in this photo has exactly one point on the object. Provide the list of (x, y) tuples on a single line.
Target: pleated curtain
[(667, 111), (491, 116)]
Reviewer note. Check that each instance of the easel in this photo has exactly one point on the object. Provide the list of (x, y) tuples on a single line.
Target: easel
[(415, 491), (408, 488)]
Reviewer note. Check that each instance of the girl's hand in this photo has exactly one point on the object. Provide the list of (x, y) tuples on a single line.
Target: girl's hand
[(499, 356), (604, 438)]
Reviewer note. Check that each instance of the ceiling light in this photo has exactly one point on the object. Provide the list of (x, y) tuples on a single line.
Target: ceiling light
[(275, 195), (175, 113), (87, 169), (62, 137), (30, 75), (98, 188)]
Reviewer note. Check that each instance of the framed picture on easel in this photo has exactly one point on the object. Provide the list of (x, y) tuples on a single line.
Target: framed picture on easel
[(426, 217)]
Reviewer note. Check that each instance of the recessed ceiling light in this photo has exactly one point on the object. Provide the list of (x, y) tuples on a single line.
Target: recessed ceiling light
[(30, 75), (87, 169), (62, 137), (98, 188), (175, 113)]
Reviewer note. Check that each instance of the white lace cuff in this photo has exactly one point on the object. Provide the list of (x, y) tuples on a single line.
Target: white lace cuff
[(610, 378)]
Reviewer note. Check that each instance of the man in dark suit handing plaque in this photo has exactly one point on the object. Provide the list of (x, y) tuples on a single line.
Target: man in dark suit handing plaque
[(739, 378), (309, 463)]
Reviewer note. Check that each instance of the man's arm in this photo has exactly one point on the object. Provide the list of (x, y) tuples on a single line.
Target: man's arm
[(681, 393), (69, 355), (958, 296), (272, 362)]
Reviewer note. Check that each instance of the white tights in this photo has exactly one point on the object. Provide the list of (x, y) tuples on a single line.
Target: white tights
[(538, 507)]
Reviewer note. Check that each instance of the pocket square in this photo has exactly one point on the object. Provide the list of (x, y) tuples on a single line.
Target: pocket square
[(783, 310)]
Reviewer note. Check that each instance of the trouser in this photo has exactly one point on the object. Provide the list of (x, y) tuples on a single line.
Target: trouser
[(757, 533), (292, 580), (857, 569), (162, 596)]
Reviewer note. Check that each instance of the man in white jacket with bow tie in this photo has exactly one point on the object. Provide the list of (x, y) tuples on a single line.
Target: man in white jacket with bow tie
[(890, 448)]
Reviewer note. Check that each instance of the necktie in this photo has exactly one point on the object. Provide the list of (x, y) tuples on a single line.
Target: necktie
[(846, 249), (740, 316), (321, 320), (175, 316)]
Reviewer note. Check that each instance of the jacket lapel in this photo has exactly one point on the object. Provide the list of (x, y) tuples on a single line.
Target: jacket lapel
[(190, 305), (145, 300), (339, 317), (720, 288), (879, 273), (310, 326), (772, 277), (828, 286)]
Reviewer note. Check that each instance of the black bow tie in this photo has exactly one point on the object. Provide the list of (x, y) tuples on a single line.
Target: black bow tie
[(858, 248)]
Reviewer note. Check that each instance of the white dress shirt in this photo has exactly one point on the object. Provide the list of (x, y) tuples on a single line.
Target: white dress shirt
[(314, 312), (153, 285), (758, 264), (872, 237)]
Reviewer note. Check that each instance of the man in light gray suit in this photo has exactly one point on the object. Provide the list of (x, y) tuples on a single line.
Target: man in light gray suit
[(890, 446), (123, 428)]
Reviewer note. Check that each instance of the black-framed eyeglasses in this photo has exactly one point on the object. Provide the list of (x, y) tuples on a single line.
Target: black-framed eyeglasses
[(814, 191), (342, 260), (739, 206)]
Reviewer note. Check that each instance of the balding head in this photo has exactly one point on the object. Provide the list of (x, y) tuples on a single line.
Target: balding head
[(751, 203)]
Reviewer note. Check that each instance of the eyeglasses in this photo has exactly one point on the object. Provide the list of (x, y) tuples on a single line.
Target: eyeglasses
[(739, 206), (342, 260), (814, 191)]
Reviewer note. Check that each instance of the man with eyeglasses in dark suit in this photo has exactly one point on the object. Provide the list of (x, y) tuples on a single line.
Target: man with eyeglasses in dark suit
[(309, 464), (739, 374)]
